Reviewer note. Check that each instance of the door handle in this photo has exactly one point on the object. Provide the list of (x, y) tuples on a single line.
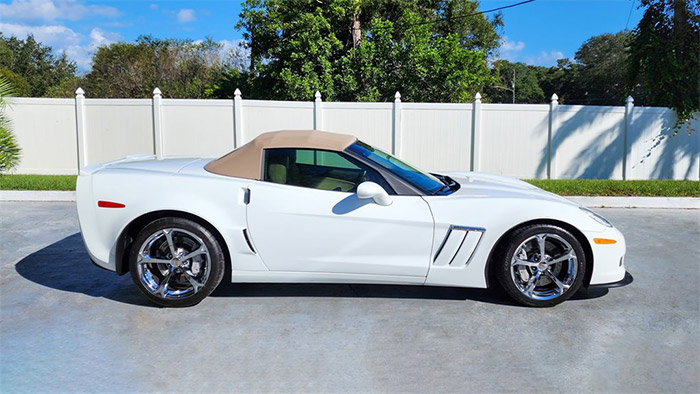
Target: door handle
[(246, 196)]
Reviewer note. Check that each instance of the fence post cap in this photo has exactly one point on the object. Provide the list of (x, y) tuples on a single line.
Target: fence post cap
[(317, 95), (237, 92), (397, 96), (79, 92), (477, 97), (156, 92), (555, 97), (629, 100)]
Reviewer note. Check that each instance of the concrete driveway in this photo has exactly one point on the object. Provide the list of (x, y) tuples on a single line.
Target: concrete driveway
[(68, 326)]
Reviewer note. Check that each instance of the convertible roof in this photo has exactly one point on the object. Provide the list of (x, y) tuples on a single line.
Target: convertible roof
[(246, 161)]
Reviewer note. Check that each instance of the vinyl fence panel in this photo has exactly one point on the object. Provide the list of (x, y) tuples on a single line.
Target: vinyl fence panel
[(197, 127), (370, 122), (588, 142), (58, 136), (45, 129), (514, 140), (437, 137), (117, 128)]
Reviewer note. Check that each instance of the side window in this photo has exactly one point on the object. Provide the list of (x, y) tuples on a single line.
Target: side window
[(317, 169)]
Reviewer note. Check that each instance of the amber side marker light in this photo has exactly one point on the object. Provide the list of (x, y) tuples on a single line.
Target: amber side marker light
[(110, 204), (604, 241)]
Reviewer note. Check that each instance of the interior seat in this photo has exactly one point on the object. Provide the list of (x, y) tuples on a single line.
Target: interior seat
[(277, 169)]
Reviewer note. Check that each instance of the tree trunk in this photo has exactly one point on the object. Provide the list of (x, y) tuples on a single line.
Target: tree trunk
[(356, 31)]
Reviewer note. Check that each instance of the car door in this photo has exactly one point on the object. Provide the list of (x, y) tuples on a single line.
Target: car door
[(305, 217)]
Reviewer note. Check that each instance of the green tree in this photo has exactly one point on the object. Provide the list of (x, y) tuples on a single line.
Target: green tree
[(364, 50), (180, 68), (35, 63), (664, 55), (9, 150), (596, 75), (602, 68), (20, 85), (522, 78)]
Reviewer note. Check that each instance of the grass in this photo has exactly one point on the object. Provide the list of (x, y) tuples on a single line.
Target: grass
[(37, 182), (605, 187), (564, 187)]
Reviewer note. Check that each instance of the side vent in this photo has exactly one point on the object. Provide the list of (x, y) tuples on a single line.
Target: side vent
[(458, 246), (247, 240)]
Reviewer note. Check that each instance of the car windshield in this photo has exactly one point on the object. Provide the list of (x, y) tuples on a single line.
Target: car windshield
[(426, 183)]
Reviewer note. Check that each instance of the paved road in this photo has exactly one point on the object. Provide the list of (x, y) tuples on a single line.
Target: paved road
[(68, 326)]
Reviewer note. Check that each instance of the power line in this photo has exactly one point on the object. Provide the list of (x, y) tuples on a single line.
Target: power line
[(630, 14), (462, 16), (456, 17), (473, 13)]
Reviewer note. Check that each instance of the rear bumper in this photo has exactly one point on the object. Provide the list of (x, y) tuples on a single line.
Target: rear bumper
[(628, 279)]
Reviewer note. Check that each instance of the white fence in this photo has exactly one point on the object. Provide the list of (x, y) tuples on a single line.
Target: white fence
[(57, 136)]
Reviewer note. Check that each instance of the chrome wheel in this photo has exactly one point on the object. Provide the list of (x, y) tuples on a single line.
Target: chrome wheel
[(173, 263), (544, 266)]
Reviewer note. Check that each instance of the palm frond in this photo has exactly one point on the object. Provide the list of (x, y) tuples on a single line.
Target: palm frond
[(9, 150)]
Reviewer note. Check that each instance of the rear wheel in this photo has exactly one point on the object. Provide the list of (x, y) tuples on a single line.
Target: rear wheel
[(176, 262), (543, 265)]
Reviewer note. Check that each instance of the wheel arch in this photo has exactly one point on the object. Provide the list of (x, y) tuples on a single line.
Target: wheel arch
[(128, 234), (500, 244)]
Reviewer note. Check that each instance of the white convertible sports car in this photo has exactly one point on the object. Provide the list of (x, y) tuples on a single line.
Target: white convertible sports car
[(312, 206)]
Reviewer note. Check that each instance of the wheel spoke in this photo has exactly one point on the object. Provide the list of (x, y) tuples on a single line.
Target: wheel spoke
[(541, 246), (523, 262), (561, 285), (171, 245), (201, 250), (163, 285), (149, 260), (532, 283), (195, 284), (565, 257)]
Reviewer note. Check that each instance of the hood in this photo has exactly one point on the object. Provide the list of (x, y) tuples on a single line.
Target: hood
[(143, 163), (476, 184)]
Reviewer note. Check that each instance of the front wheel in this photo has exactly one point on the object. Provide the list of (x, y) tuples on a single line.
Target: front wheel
[(176, 262), (543, 265)]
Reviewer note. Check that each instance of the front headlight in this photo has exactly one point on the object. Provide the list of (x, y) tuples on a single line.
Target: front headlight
[(596, 217)]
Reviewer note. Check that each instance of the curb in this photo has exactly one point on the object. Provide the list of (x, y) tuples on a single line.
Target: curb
[(31, 195), (638, 202), (591, 202)]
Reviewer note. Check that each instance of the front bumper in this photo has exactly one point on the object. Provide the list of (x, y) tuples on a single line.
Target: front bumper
[(608, 259), (628, 279)]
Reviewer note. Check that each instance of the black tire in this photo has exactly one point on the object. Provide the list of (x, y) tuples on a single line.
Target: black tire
[(191, 279), (534, 284)]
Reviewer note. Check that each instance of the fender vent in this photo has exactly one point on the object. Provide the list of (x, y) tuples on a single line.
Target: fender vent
[(247, 240), (458, 246)]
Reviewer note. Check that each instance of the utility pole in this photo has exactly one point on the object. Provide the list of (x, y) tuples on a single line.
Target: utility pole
[(512, 85)]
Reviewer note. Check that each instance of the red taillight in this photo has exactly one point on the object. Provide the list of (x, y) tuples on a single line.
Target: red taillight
[(110, 204)]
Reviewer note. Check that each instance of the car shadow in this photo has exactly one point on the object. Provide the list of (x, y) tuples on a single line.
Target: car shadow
[(490, 295), (66, 266)]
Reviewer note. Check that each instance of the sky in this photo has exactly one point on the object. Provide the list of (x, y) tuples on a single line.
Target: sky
[(536, 33)]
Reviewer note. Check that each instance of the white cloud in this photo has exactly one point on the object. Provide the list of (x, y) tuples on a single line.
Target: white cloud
[(510, 50), (62, 39), (153, 6), (186, 15), (99, 37), (52, 10), (545, 58)]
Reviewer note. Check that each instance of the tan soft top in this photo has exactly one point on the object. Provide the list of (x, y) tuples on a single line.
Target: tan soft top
[(246, 161)]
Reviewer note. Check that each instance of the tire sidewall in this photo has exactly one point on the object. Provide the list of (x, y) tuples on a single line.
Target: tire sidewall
[(503, 268), (216, 256)]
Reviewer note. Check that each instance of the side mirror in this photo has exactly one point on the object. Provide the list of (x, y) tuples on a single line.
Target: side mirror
[(375, 192)]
